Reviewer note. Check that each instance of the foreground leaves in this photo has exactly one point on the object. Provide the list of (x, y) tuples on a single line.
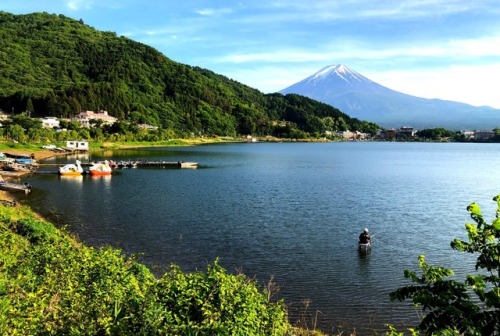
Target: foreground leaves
[(471, 307)]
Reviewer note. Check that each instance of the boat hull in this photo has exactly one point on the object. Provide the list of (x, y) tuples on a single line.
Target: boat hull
[(75, 173), (364, 248), (71, 169), (99, 173), (100, 169)]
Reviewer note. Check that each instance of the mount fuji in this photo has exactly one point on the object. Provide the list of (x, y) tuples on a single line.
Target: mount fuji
[(362, 98)]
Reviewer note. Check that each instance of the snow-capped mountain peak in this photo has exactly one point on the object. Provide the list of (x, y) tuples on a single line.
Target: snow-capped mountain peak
[(362, 98), (337, 71)]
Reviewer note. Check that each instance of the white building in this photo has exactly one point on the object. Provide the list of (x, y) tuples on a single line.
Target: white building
[(484, 135), (50, 122), (81, 145), (4, 116), (84, 118)]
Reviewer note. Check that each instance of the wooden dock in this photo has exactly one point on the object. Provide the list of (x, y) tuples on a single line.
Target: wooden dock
[(165, 164), (135, 164)]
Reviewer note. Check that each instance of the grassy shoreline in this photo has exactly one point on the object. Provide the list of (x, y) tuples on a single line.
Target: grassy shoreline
[(41, 154)]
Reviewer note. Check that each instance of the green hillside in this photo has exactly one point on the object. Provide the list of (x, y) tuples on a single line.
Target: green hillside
[(53, 65)]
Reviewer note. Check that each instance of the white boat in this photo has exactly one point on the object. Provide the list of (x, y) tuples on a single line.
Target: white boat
[(73, 169), (100, 169)]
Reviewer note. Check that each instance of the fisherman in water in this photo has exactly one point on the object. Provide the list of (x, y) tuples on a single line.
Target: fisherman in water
[(364, 237)]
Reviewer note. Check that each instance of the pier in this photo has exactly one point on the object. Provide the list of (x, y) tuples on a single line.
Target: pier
[(135, 164)]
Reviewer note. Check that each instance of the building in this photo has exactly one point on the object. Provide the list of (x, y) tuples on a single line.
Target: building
[(84, 118), (4, 116), (484, 135), (77, 146), (406, 132), (348, 135), (50, 122), (389, 134), (148, 127)]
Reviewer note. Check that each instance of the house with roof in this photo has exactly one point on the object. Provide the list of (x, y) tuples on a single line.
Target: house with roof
[(84, 118), (50, 122)]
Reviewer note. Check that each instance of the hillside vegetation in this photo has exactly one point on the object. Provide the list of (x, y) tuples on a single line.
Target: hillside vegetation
[(52, 65), (51, 284)]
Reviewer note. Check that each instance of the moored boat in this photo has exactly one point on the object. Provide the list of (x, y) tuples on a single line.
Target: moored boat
[(100, 169), (9, 186), (72, 169)]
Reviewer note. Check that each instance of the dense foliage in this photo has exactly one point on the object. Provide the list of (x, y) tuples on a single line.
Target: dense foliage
[(50, 284), (436, 133), (471, 307), (55, 66)]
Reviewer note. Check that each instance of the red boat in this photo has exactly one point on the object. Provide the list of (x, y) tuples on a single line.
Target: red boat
[(100, 169)]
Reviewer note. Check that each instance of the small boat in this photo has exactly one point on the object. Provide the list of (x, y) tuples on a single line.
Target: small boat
[(71, 169), (100, 169), (18, 167), (364, 248), (183, 164), (9, 186)]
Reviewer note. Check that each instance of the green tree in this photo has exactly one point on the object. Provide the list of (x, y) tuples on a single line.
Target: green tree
[(16, 132), (471, 307), (29, 106)]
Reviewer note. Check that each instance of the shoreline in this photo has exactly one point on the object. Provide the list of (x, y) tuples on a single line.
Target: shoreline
[(43, 154)]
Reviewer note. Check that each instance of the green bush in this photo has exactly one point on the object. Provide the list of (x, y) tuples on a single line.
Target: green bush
[(211, 303), (51, 284), (471, 307)]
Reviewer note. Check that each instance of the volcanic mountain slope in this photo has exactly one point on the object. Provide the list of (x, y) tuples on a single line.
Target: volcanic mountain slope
[(362, 98)]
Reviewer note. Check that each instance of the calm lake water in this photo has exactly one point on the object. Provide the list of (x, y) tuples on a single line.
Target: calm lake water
[(291, 212)]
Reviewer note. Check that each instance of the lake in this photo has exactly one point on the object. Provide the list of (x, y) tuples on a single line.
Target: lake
[(291, 212)]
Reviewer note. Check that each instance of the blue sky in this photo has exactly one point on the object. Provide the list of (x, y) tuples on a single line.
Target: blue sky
[(447, 49)]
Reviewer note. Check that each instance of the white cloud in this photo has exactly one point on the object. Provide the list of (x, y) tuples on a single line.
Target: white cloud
[(79, 4), (322, 10), (213, 11), (352, 50)]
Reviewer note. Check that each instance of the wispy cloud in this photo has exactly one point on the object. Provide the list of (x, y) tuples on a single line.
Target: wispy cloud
[(214, 11), (464, 48), (79, 4), (354, 10)]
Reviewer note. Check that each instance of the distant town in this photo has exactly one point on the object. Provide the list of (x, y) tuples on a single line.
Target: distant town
[(411, 134), (91, 119)]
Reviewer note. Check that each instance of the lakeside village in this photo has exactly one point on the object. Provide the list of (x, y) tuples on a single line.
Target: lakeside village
[(12, 165), (15, 165), (88, 119)]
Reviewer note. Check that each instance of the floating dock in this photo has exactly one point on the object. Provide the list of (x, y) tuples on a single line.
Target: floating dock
[(136, 164), (8, 186), (165, 164)]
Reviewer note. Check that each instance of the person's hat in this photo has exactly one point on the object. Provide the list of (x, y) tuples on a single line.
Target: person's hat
[(366, 230)]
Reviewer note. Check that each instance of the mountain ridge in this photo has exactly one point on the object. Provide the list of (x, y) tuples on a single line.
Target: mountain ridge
[(59, 66), (360, 97)]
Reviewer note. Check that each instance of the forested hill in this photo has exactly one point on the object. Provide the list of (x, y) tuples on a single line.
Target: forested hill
[(52, 65)]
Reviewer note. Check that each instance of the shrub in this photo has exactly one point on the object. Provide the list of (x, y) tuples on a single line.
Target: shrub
[(451, 309)]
